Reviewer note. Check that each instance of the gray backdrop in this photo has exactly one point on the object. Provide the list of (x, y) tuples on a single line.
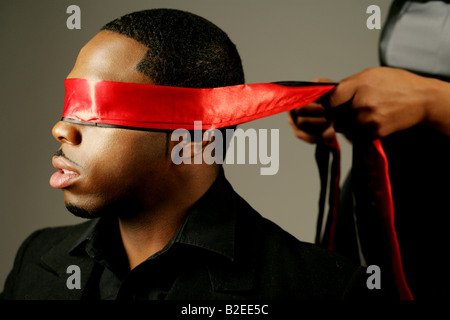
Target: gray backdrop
[(277, 40)]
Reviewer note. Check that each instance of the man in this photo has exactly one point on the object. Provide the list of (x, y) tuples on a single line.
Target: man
[(160, 230)]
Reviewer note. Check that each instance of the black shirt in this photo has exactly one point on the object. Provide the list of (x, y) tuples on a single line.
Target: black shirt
[(203, 232)]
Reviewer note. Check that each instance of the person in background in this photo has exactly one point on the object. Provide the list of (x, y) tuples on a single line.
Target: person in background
[(406, 103)]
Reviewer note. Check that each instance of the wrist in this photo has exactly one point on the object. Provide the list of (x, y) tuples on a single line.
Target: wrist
[(437, 105)]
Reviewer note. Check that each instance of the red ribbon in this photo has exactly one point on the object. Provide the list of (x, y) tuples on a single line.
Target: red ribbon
[(374, 165), (163, 107)]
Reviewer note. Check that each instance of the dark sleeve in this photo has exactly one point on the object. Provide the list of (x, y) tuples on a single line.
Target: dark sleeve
[(10, 284)]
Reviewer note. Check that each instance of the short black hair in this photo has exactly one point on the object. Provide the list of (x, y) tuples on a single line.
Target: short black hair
[(184, 50)]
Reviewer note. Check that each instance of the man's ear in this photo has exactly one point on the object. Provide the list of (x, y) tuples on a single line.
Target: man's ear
[(213, 147), (198, 146), (189, 149)]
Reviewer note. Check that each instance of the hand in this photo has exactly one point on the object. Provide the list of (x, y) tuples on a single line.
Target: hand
[(383, 100), (309, 122)]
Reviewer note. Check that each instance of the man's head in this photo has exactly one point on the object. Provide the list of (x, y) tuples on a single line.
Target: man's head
[(130, 170), (183, 50)]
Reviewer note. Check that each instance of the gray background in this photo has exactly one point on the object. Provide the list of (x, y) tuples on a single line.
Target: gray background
[(277, 40)]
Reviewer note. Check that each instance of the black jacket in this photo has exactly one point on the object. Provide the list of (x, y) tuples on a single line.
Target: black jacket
[(234, 254)]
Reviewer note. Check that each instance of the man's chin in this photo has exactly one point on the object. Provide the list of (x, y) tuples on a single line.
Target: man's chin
[(82, 213)]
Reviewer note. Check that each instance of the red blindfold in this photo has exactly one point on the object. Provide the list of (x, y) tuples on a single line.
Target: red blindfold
[(108, 103)]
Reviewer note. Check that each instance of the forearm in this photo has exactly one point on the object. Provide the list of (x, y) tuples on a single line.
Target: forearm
[(438, 106)]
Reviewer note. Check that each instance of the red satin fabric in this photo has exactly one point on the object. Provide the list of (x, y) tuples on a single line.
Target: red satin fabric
[(162, 107), (377, 164)]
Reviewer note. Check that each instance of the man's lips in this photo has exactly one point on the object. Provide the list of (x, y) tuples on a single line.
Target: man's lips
[(66, 174)]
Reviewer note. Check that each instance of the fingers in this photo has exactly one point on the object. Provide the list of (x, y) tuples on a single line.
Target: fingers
[(352, 105), (313, 126), (343, 92), (327, 134), (310, 124), (311, 110), (322, 80)]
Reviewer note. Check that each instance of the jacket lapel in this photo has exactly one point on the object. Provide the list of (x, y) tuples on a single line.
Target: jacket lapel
[(50, 275)]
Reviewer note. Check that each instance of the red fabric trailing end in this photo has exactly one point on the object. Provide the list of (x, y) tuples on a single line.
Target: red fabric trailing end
[(380, 176)]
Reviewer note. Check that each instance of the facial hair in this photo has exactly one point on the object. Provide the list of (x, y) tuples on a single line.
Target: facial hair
[(80, 212)]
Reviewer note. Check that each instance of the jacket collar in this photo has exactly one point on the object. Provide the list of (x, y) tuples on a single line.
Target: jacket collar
[(209, 224), (50, 282)]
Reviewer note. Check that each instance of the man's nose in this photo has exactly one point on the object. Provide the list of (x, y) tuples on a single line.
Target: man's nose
[(66, 132)]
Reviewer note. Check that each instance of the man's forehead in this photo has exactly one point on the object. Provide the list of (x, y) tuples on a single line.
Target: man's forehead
[(110, 56)]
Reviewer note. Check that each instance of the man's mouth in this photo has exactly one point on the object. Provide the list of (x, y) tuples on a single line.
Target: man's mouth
[(65, 171), (66, 174), (63, 179)]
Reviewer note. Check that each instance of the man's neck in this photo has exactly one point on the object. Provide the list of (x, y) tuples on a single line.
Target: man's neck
[(147, 232), (143, 238)]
